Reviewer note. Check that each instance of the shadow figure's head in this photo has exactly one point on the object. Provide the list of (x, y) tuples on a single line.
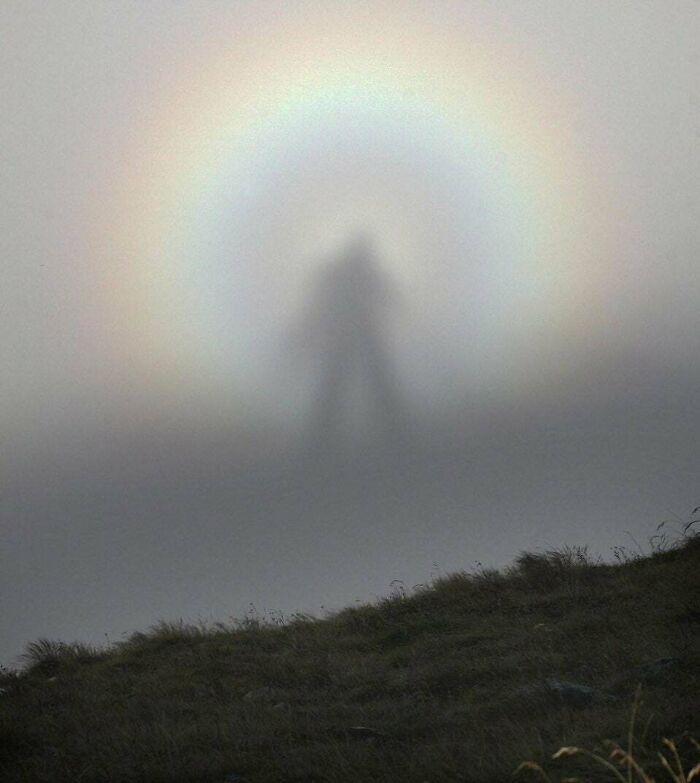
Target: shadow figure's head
[(359, 250)]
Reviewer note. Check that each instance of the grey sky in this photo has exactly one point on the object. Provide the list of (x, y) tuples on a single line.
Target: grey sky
[(139, 482)]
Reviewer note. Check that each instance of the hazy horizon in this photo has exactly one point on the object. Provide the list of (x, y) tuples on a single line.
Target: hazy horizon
[(209, 401)]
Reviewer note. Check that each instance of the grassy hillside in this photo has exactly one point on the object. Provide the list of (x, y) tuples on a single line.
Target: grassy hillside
[(450, 683)]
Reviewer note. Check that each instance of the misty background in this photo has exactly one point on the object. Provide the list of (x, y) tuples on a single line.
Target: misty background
[(279, 425)]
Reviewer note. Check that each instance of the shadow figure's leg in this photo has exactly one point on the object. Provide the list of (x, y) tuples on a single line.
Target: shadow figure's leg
[(325, 425), (384, 389)]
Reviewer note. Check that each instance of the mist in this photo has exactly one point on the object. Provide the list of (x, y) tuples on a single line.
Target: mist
[(299, 301)]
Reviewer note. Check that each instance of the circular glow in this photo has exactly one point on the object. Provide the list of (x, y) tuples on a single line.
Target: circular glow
[(268, 152)]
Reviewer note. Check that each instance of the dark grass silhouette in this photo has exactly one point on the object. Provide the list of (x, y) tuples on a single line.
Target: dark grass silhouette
[(436, 683)]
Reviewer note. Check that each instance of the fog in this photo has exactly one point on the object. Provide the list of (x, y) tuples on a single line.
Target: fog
[(301, 300)]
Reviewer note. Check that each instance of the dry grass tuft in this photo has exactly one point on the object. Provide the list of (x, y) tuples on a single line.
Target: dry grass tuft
[(626, 764)]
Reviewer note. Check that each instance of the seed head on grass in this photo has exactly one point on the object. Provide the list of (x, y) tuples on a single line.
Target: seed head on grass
[(621, 759)]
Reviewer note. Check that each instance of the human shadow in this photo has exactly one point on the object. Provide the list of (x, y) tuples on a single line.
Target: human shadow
[(345, 331)]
